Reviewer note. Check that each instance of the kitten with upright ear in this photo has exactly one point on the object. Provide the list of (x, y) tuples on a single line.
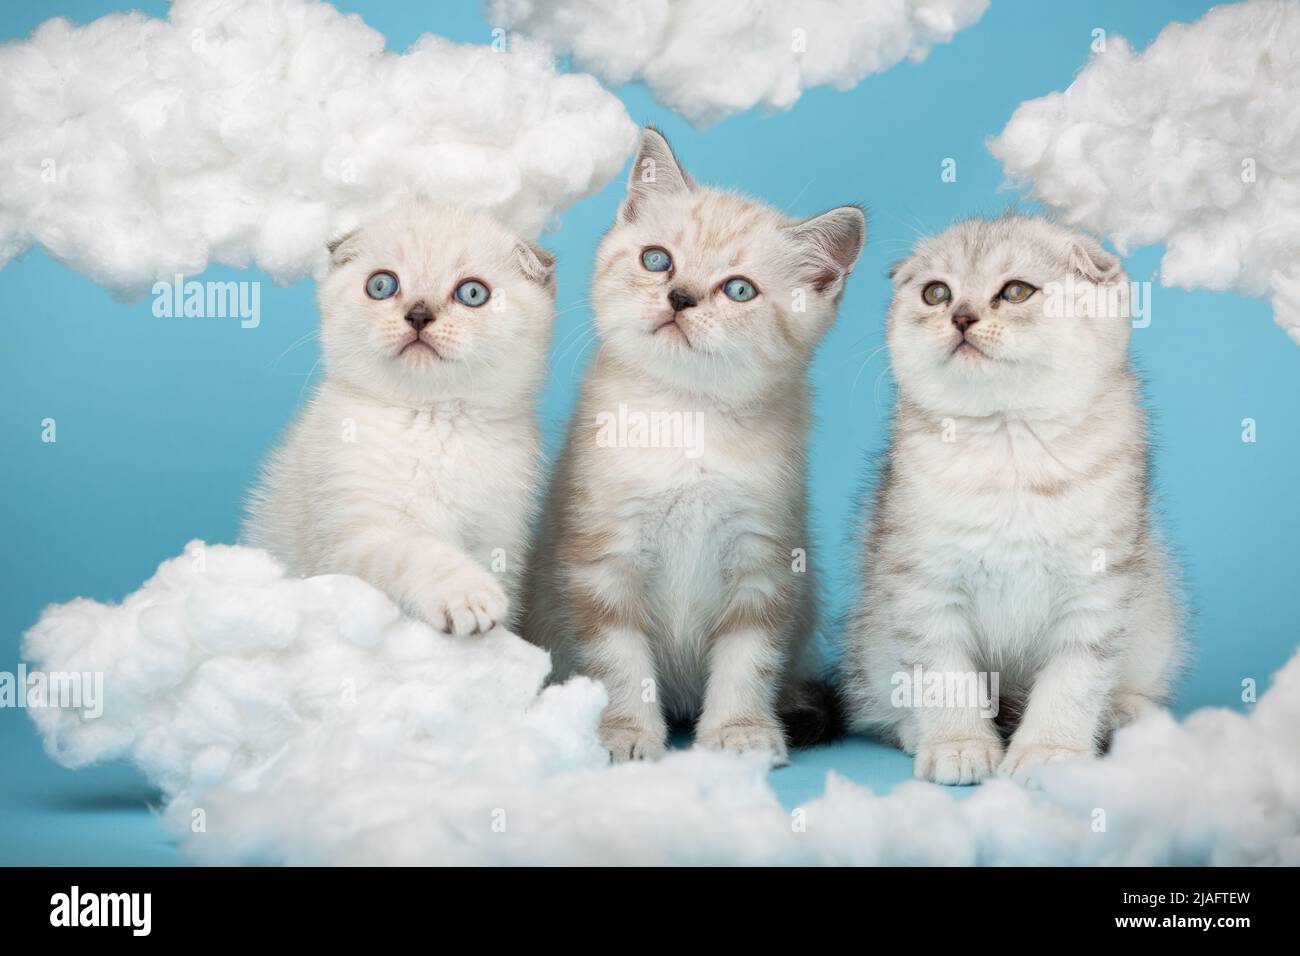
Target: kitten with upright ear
[(672, 562), (415, 463), (1011, 534)]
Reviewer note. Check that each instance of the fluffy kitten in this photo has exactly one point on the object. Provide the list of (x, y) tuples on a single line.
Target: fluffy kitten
[(1011, 530), (414, 464), (671, 563)]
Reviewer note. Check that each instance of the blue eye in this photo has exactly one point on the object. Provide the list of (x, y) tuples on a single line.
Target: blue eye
[(656, 259), (739, 290), (381, 285), (472, 293)]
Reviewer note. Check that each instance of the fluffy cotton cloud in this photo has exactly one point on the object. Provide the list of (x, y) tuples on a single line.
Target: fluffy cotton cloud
[(251, 131), (707, 59), (311, 723), (1194, 143)]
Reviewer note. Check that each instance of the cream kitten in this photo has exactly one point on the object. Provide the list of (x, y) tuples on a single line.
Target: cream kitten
[(671, 563), (1011, 531), (414, 464)]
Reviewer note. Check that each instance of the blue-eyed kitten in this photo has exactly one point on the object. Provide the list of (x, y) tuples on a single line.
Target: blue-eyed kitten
[(672, 561), (415, 464)]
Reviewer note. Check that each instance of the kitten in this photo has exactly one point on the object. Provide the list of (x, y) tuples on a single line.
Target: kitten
[(671, 562), (414, 464), (1011, 531)]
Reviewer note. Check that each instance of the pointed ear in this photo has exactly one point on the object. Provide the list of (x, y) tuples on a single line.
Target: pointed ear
[(537, 263), (655, 172), (343, 249), (829, 245), (1092, 262)]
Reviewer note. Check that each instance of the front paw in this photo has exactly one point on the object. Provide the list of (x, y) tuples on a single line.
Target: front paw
[(960, 762), (631, 740), (1022, 760), (468, 601), (746, 735)]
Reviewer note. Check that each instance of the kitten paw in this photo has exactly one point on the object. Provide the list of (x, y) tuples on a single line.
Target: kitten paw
[(1022, 760), (632, 741), (1128, 707), (469, 601), (743, 736), (959, 762)]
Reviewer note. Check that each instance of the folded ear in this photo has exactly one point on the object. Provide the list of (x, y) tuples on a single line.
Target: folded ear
[(829, 245), (1092, 262), (898, 273), (655, 172), (537, 263), (343, 249)]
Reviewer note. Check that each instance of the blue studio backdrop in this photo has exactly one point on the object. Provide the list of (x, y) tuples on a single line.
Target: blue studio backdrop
[(162, 421)]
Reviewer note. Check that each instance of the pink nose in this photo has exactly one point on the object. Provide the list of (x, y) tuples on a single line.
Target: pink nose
[(963, 321)]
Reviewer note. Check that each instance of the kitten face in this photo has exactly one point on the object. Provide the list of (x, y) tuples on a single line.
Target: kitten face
[(430, 303), (979, 323), (711, 292)]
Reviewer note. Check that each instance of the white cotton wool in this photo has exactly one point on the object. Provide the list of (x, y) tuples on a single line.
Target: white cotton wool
[(708, 59), (252, 131), (1194, 143), (308, 722)]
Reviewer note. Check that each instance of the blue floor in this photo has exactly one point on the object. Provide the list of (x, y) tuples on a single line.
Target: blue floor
[(102, 816), (49, 816)]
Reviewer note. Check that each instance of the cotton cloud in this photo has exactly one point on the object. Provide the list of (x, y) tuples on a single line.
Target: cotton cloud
[(309, 722), (1194, 143), (251, 131), (708, 59)]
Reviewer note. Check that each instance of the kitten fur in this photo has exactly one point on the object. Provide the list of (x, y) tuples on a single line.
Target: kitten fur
[(415, 463), (1011, 530), (674, 574)]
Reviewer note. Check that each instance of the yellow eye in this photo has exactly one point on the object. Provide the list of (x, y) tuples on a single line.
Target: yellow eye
[(1017, 291), (936, 293)]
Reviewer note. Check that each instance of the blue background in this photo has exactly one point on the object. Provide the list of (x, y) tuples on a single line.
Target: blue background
[(162, 422)]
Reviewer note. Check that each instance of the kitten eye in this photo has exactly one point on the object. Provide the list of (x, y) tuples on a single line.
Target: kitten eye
[(656, 259), (739, 289), (472, 293), (1017, 291), (382, 285), (936, 293)]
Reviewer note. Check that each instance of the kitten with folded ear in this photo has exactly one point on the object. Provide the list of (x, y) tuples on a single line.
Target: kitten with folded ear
[(414, 464), (672, 559), (1012, 532)]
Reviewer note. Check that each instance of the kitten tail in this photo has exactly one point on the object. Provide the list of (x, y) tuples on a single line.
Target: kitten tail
[(812, 713)]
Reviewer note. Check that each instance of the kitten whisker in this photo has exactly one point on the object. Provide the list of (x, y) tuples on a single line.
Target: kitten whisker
[(571, 335), (298, 343), (875, 391), (573, 366), (798, 196), (585, 303), (863, 368), (580, 342)]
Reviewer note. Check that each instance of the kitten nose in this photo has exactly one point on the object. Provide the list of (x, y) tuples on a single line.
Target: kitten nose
[(419, 316), (963, 321), (680, 299)]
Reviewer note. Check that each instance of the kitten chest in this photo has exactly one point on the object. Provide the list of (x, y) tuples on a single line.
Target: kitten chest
[(1015, 529), (697, 530), (454, 476)]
